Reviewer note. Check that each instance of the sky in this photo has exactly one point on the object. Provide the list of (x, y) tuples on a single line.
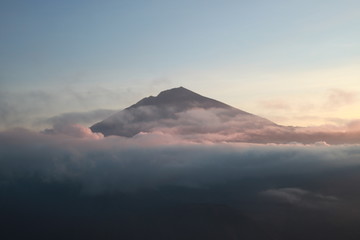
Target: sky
[(293, 62)]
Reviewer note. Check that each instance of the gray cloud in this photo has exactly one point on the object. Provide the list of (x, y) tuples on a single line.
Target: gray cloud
[(72, 130), (84, 118), (155, 160), (17, 109), (168, 120), (299, 197), (32, 107), (225, 125), (157, 181), (221, 125), (71, 123)]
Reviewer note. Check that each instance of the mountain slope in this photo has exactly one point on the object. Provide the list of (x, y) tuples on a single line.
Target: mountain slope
[(180, 111)]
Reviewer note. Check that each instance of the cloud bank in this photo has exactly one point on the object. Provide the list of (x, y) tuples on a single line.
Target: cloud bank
[(156, 160), (156, 185), (32, 108), (298, 197), (223, 125)]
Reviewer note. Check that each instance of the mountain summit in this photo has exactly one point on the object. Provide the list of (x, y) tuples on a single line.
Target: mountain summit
[(180, 98), (179, 111)]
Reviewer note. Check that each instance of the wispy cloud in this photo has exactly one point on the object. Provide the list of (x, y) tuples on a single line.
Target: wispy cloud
[(338, 98), (298, 197), (85, 118), (31, 108)]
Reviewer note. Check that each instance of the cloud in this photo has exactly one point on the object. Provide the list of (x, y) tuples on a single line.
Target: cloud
[(17, 109), (155, 160), (157, 181), (338, 98), (70, 123), (353, 125), (298, 197), (73, 130), (196, 125), (223, 125), (87, 118), (32, 108), (168, 120)]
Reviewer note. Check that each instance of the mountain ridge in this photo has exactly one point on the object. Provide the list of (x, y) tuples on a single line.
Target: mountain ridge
[(179, 94), (179, 111)]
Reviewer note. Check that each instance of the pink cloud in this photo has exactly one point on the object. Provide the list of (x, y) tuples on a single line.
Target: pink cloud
[(338, 98), (216, 126), (74, 130)]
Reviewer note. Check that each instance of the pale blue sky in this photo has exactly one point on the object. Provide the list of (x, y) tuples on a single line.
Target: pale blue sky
[(241, 52)]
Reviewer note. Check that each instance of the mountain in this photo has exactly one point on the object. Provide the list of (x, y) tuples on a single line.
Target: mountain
[(180, 111), (180, 98)]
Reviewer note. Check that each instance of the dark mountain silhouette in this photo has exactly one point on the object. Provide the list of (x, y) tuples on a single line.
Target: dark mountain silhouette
[(180, 98), (179, 111)]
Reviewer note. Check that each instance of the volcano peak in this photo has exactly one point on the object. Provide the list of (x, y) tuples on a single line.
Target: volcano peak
[(181, 98), (178, 108)]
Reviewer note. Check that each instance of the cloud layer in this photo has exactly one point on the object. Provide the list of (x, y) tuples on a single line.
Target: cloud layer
[(221, 125), (155, 160), (157, 185), (34, 108)]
